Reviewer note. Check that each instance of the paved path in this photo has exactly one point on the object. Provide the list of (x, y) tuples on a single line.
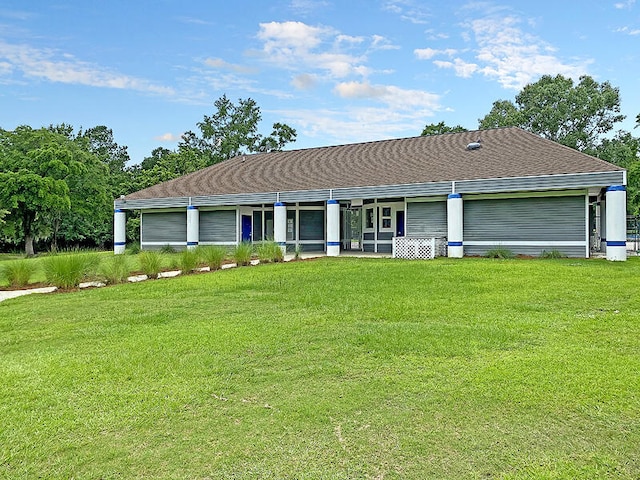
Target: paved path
[(7, 294)]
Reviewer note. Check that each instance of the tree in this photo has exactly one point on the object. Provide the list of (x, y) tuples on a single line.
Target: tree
[(575, 115), (51, 185), (440, 128), (33, 165), (231, 131)]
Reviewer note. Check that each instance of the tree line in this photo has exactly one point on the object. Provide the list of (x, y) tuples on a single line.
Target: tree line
[(57, 184)]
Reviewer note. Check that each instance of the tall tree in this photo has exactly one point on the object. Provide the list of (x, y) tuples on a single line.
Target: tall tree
[(33, 165), (440, 128), (575, 115), (52, 186), (233, 130)]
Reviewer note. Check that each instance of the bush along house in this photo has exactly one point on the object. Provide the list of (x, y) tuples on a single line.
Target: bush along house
[(454, 194)]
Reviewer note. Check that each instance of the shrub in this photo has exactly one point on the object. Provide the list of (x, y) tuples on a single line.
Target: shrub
[(242, 253), (115, 270), (187, 260), (499, 252), (212, 255), (150, 263), (18, 272), (269, 252), (167, 249), (555, 253), (67, 271), (297, 253)]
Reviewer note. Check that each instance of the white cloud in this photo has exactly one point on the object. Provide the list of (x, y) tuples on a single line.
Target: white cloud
[(409, 10), (459, 66), (428, 53), (397, 98), (513, 57), (298, 46), (503, 52), (624, 5), (168, 137), (222, 64), (64, 68), (304, 81), (355, 124), (628, 31)]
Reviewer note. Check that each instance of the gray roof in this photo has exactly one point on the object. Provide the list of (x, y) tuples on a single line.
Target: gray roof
[(505, 153)]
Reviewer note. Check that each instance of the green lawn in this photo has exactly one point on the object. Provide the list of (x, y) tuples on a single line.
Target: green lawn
[(330, 369)]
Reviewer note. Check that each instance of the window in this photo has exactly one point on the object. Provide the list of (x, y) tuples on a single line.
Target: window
[(385, 219), (368, 218)]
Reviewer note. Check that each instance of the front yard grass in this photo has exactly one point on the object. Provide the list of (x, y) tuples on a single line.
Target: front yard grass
[(330, 369)]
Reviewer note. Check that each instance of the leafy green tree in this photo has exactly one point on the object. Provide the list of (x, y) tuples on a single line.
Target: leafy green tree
[(52, 187), (575, 115), (440, 128), (33, 165), (233, 130)]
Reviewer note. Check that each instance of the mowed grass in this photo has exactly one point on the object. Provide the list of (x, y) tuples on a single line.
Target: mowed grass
[(330, 369)]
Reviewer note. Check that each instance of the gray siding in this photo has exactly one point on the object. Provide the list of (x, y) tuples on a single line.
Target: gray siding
[(521, 219), (218, 226), (426, 219), (311, 224), (166, 227), (481, 250)]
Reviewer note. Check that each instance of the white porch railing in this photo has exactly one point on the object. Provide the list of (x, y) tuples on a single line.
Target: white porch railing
[(416, 248)]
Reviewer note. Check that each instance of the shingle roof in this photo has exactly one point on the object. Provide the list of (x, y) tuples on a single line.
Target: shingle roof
[(505, 152)]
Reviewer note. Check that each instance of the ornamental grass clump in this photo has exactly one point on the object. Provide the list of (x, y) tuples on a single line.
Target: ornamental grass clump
[(68, 271), (212, 255), (150, 263), (242, 253), (187, 261), (499, 252), (555, 253), (18, 272), (269, 252), (115, 270)]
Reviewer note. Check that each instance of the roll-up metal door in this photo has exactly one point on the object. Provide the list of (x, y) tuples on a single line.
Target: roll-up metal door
[(522, 219), (426, 219), (166, 227), (218, 226)]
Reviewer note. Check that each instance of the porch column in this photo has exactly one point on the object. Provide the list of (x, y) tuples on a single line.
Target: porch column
[(616, 220), (333, 228), (280, 225), (454, 226), (119, 231), (193, 227)]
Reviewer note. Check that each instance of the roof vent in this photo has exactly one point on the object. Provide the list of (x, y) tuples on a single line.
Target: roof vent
[(474, 145)]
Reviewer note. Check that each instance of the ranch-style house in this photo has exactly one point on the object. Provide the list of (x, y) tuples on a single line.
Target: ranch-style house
[(453, 194)]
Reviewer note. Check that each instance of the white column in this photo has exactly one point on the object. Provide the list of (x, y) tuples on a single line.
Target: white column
[(454, 226), (333, 228), (193, 227), (280, 225), (616, 221), (119, 231)]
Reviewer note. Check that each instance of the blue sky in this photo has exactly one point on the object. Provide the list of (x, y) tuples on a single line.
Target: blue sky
[(337, 71)]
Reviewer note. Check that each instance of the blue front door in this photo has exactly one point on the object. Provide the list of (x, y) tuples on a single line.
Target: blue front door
[(400, 223), (246, 228)]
